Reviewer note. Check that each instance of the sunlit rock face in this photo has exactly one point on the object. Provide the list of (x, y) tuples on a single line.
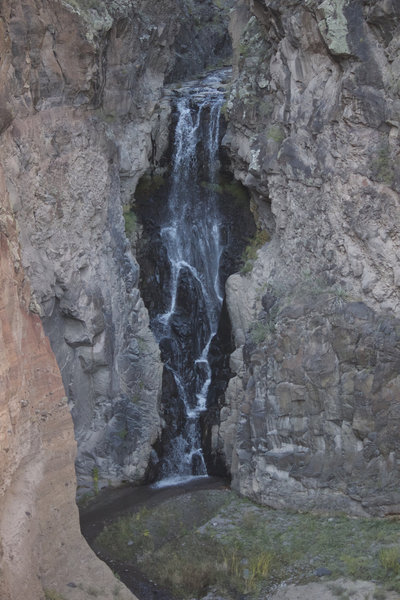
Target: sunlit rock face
[(314, 117)]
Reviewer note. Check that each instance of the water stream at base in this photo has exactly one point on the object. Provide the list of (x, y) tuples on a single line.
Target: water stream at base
[(191, 235)]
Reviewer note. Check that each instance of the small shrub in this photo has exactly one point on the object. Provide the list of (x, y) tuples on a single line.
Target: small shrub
[(259, 568), (123, 433), (234, 189), (84, 500), (224, 109), (260, 331), (379, 595), (356, 566), (382, 166), (148, 184), (95, 475), (243, 49), (130, 222), (338, 590), (276, 134), (389, 559), (250, 252)]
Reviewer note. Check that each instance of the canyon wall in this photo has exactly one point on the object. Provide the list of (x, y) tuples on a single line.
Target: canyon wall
[(41, 547), (81, 119), (311, 418), (72, 77)]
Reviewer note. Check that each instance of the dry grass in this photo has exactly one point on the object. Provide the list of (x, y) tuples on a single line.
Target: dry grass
[(215, 540)]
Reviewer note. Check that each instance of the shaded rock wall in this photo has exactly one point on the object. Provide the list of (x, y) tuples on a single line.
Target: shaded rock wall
[(41, 547), (83, 117), (314, 133), (81, 86), (80, 120)]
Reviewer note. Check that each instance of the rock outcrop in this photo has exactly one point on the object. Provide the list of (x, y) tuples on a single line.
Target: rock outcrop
[(81, 86), (41, 547), (314, 116), (82, 117)]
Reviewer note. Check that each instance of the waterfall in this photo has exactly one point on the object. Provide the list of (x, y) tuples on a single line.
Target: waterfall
[(190, 234)]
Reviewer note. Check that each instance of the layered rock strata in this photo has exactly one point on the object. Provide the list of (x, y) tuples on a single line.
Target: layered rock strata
[(311, 416)]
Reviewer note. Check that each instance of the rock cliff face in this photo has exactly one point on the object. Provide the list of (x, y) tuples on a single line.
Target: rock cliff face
[(311, 416), (83, 84), (82, 118), (41, 548)]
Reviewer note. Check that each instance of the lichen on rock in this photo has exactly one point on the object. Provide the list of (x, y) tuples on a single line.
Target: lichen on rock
[(333, 26)]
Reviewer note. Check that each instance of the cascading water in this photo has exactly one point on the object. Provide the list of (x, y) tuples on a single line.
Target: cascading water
[(196, 223), (191, 236)]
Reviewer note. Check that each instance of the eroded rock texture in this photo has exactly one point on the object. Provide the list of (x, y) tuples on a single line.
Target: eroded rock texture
[(82, 118), (314, 110), (41, 547), (81, 88)]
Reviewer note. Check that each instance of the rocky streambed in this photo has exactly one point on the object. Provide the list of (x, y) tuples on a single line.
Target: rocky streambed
[(201, 540)]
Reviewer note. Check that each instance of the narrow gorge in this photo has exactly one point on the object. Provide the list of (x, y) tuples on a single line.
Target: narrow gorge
[(210, 245)]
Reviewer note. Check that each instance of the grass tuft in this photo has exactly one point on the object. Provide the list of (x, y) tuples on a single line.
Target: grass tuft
[(250, 252), (214, 540)]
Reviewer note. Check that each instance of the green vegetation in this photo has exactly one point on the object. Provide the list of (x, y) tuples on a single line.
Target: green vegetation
[(84, 500), (135, 399), (237, 192), (261, 330), (123, 433), (382, 166), (265, 109), (379, 595), (225, 110), (276, 133), (244, 49), (53, 595), (307, 284), (389, 559), (250, 252), (148, 184), (95, 475), (215, 539), (130, 221)]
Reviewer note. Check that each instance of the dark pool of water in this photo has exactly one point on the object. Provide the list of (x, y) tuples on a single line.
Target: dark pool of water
[(110, 504)]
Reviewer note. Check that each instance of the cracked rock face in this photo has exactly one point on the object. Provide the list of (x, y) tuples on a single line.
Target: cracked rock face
[(82, 117), (314, 133), (79, 127), (41, 545), (317, 408)]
